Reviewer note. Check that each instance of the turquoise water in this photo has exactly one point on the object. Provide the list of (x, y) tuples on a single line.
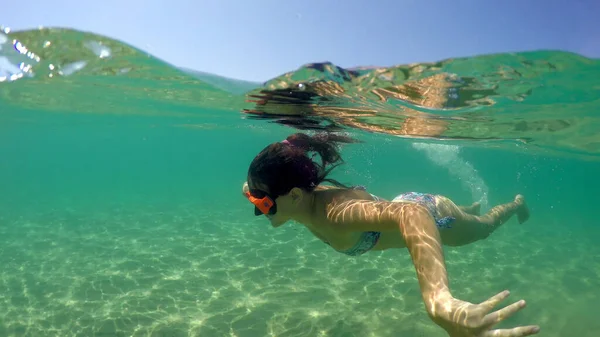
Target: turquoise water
[(121, 212)]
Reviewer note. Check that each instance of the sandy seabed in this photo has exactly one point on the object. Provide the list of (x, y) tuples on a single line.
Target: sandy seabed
[(141, 272)]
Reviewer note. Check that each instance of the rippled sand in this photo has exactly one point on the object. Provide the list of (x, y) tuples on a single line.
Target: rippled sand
[(192, 273)]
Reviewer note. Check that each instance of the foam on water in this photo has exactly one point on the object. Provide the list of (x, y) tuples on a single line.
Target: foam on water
[(98, 48), (448, 156), (16, 61)]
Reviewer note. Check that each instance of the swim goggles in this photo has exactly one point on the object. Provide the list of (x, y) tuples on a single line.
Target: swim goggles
[(263, 203)]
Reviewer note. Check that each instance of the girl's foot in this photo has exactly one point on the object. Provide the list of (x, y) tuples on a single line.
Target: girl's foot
[(523, 211)]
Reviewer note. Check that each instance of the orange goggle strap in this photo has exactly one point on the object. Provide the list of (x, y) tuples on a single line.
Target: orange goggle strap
[(263, 204)]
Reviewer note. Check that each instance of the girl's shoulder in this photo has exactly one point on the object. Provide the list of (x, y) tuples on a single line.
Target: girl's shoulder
[(343, 194), (331, 187)]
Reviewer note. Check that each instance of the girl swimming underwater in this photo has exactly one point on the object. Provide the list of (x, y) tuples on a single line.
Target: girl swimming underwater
[(284, 183)]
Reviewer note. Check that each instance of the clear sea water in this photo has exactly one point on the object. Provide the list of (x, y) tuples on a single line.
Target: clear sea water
[(121, 213)]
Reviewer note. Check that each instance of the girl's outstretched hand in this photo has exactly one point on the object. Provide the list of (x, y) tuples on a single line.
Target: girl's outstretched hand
[(464, 319)]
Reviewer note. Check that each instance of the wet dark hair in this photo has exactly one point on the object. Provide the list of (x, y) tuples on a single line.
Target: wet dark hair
[(284, 165)]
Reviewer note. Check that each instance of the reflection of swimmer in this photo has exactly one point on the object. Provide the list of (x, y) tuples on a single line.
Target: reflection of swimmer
[(284, 184), (310, 100)]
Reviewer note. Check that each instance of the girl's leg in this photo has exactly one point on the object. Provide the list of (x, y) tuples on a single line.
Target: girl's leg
[(473, 209), (469, 227)]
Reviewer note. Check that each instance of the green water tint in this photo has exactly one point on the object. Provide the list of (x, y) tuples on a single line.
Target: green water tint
[(121, 212)]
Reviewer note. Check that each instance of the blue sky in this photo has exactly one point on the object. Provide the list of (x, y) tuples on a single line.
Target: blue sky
[(258, 40)]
